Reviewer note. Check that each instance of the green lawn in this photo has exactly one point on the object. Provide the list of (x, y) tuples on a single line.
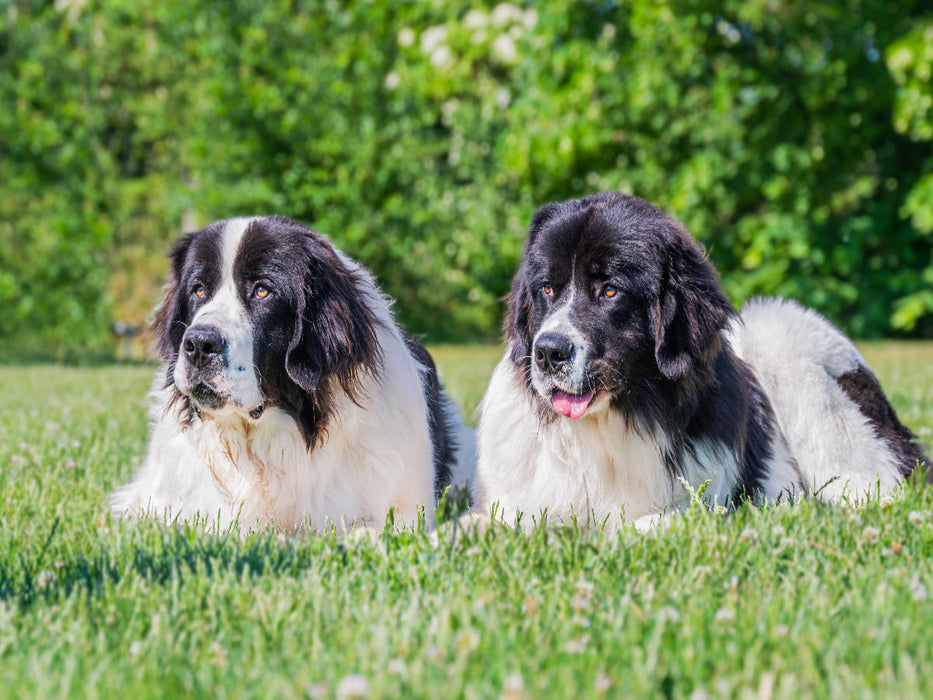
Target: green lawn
[(809, 601)]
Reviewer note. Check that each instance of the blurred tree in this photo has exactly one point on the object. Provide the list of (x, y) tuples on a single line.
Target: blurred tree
[(794, 140)]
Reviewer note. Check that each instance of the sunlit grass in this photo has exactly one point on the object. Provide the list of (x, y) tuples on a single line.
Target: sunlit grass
[(809, 601)]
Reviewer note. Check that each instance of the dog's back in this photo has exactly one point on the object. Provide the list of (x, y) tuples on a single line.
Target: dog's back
[(842, 431)]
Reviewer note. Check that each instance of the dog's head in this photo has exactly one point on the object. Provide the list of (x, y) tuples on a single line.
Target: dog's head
[(264, 312), (613, 302)]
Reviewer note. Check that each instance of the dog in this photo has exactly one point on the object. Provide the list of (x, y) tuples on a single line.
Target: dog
[(630, 383), (288, 394)]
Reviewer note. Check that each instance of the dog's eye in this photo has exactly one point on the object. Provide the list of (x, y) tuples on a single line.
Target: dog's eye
[(199, 291), (261, 291), (547, 289), (609, 291)]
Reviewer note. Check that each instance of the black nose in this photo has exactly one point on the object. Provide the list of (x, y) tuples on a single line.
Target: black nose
[(202, 344), (553, 351)]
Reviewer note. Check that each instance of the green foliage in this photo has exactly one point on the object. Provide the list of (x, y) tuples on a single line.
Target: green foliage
[(910, 61), (809, 601), (421, 136)]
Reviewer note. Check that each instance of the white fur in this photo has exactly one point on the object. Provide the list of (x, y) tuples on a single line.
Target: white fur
[(595, 468), (797, 355), (227, 467), (225, 310)]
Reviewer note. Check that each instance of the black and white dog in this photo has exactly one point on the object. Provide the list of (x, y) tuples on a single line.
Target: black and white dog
[(288, 395), (628, 376)]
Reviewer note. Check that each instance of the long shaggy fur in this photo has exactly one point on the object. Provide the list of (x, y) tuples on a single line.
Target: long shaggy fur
[(288, 394), (629, 380)]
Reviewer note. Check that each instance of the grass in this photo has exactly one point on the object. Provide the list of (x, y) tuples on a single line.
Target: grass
[(812, 601)]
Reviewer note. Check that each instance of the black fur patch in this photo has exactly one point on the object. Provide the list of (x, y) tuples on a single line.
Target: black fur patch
[(861, 386), (318, 334), (442, 431)]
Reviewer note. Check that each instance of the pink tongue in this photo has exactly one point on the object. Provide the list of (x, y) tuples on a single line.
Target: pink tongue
[(571, 405)]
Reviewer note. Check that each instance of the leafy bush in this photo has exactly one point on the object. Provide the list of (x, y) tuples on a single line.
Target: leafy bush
[(794, 140)]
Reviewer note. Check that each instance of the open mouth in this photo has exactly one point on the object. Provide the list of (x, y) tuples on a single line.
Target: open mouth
[(571, 405)]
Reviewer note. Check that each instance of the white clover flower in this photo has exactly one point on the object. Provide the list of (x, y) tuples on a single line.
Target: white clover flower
[(778, 531), (442, 57), (433, 37), (315, 691), (475, 19), (918, 591), (915, 517), (870, 534), (392, 80), (45, 579), (668, 614), (855, 518), (725, 615), (886, 502), (602, 683), (406, 37), (584, 587), (396, 667), (609, 32), (578, 645), (503, 47), (503, 98), (782, 630), (353, 686), (748, 535), (513, 685), (17, 460), (136, 648)]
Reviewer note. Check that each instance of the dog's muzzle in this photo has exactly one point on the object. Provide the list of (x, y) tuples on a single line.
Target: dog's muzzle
[(205, 374), (559, 374)]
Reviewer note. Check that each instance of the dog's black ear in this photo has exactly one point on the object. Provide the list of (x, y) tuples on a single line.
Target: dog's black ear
[(540, 218), (690, 309), (335, 328), (518, 321), (168, 324)]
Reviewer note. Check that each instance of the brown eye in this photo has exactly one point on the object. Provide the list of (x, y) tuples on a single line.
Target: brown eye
[(261, 291), (199, 291), (609, 291), (547, 289)]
